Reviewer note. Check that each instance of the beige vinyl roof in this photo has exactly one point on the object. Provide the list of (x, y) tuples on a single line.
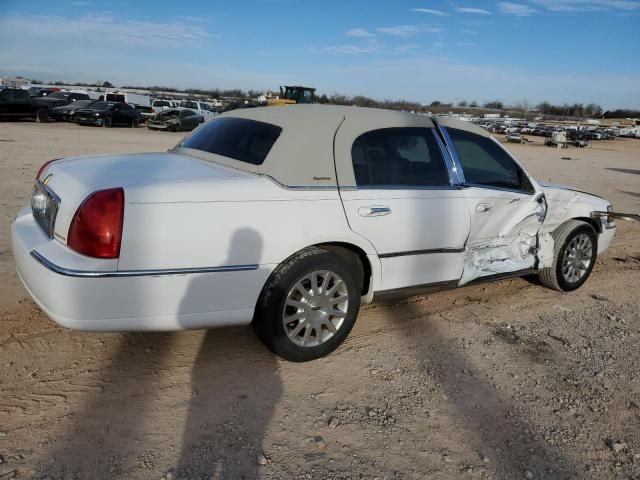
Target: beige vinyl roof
[(303, 155)]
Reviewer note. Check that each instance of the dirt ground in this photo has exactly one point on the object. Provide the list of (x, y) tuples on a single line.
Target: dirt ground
[(505, 381)]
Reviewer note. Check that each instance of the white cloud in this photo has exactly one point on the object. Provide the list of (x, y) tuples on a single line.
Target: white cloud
[(516, 9), (588, 5), (101, 27), (406, 31), (347, 49), (438, 13), (359, 32), (478, 11)]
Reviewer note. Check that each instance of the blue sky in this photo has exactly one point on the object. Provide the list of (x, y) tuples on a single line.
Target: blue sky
[(423, 50)]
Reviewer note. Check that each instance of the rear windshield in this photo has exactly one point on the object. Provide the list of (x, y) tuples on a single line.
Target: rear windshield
[(238, 138)]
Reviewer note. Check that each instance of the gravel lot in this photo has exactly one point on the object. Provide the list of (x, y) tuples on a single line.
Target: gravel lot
[(506, 380)]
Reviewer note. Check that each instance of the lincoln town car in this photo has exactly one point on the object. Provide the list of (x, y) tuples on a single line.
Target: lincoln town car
[(289, 219)]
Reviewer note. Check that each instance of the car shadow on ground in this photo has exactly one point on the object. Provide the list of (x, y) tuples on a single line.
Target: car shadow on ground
[(166, 403), (630, 171), (124, 429), (490, 418)]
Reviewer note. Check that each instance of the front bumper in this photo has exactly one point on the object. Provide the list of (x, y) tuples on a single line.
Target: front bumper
[(82, 293), (90, 120)]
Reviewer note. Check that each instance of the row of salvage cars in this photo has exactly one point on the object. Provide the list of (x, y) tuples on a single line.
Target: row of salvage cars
[(288, 219), (109, 114)]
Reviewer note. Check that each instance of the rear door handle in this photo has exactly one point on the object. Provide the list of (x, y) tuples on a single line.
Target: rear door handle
[(483, 207), (376, 211)]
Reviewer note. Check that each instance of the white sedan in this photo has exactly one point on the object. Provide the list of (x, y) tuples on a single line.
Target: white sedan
[(288, 218)]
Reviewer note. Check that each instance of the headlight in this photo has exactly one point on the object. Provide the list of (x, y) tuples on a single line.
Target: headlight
[(610, 217), (96, 114)]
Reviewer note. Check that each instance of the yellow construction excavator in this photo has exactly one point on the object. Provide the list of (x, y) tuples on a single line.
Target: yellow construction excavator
[(290, 95)]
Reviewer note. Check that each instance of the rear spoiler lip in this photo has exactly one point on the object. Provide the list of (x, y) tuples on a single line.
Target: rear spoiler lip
[(621, 216)]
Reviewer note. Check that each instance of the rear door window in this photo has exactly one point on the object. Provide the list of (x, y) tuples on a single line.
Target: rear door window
[(239, 138), (396, 157)]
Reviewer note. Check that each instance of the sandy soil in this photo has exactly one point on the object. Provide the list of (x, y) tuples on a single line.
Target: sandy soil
[(506, 380)]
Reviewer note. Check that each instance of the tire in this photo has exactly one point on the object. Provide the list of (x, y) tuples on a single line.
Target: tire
[(107, 122), (135, 123), (307, 335), (567, 236), (42, 115)]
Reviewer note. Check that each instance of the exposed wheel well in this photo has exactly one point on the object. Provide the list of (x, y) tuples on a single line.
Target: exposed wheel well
[(352, 253)]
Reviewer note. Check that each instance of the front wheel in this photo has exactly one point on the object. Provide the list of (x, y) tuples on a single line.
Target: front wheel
[(309, 304), (107, 122), (42, 115), (575, 251), (135, 123)]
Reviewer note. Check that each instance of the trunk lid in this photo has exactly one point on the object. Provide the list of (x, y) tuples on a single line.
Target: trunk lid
[(72, 180)]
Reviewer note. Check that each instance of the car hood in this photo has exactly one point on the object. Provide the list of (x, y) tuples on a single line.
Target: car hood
[(164, 119), (564, 193), (90, 110), (50, 101)]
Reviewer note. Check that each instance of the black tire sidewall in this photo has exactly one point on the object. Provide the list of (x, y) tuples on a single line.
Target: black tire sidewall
[(564, 284), (269, 322), (107, 122), (42, 115)]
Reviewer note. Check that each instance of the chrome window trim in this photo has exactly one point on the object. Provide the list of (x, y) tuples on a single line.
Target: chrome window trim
[(68, 272), (457, 166), (454, 153)]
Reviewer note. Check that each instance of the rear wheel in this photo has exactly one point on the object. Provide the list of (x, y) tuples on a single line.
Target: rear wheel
[(309, 304), (575, 251)]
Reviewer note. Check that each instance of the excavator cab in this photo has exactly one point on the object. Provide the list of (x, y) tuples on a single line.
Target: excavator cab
[(290, 95)]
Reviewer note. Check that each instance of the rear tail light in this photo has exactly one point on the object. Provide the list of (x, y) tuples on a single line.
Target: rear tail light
[(96, 228), (44, 168)]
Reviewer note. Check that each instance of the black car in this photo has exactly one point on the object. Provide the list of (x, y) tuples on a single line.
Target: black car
[(175, 120), (65, 113), (15, 104), (44, 105), (108, 114)]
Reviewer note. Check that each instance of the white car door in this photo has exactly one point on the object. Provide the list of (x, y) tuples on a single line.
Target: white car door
[(405, 203), (506, 208)]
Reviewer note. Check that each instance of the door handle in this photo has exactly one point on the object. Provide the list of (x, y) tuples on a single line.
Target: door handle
[(374, 211), (483, 207)]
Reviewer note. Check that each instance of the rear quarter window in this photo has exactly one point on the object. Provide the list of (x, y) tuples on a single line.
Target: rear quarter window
[(245, 140)]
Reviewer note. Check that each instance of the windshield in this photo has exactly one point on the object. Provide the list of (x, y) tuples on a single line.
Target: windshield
[(189, 105), (102, 105), (169, 113), (81, 103)]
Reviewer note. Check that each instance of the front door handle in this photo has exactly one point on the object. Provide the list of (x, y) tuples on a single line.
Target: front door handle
[(483, 207), (376, 211)]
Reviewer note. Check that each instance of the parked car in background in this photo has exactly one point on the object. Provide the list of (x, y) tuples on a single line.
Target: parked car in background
[(201, 108), (65, 113), (108, 114), (161, 104), (175, 120), (15, 103), (45, 105), (514, 138), (289, 218), (142, 103)]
